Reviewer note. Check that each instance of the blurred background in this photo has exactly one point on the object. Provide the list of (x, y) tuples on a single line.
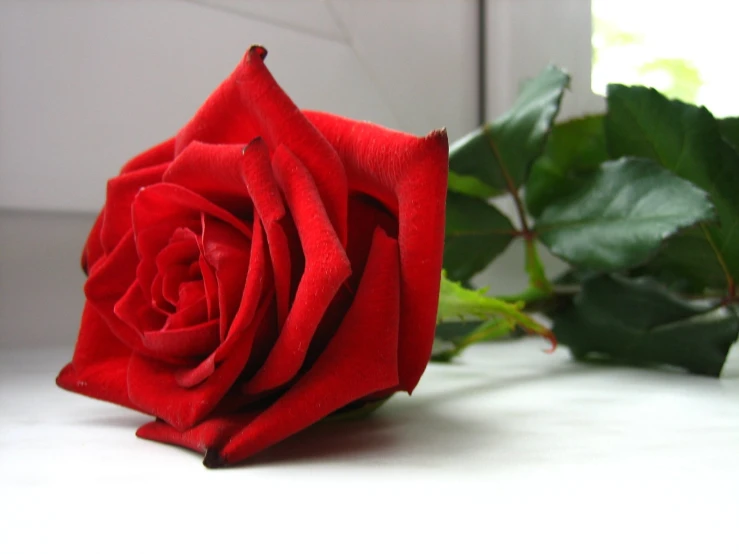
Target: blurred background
[(86, 84)]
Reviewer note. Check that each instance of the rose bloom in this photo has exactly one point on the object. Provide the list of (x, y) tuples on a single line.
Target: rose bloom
[(261, 270)]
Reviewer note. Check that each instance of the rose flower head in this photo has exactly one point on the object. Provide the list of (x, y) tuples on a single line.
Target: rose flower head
[(260, 270)]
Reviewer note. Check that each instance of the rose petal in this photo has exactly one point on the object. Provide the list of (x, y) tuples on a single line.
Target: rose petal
[(156, 238), (137, 313), (159, 386), (360, 360), (212, 171), (255, 292), (209, 282), (281, 122), (365, 216), (109, 282), (409, 176), (153, 386), (172, 266), (222, 119), (210, 434), (227, 251), (190, 294), (167, 203), (188, 316), (159, 210), (248, 104), (172, 282), (120, 194), (99, 364), (265, 193), (197, 341), (326, 268), (159, 154), (158, 301)]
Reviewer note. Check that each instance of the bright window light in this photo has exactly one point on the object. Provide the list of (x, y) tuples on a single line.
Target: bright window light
[(683, 49)]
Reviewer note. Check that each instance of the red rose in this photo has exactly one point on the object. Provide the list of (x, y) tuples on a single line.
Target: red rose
[(261, 270)]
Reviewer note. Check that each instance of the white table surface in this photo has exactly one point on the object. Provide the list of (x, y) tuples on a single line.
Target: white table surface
[(508, 450)]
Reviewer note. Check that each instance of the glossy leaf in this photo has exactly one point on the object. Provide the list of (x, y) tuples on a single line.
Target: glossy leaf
[(687, 140), (685, 265), (574, 146), (639, 322), (621, 214), (476, 233), (469, 186), (500, 154), (729, 127)]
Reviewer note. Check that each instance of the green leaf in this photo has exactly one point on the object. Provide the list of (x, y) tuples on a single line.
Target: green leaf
[(639, 322), (729, 127), (621, 215), (687, 140), (684, 264), (458, 303), (470, 186), (500, 154), (574, 146), (476, 233)]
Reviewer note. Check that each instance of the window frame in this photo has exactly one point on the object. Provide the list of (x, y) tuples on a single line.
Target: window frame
[(524, 36)]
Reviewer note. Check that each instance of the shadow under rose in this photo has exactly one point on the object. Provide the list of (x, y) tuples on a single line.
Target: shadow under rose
[(410, 431), (403, 433), (419, 431)]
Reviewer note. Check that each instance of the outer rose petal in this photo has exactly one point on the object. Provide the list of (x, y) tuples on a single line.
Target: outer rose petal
[(326, 268), (350, 368), (281, 122), (108, 283), (212, 171), (222, 119), (408, 174), (249, 104), (118, 200), (100, 362), (365, 216), (265, 193)]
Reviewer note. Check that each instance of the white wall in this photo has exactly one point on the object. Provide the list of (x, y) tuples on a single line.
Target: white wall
[(86, 84), (40, 277)]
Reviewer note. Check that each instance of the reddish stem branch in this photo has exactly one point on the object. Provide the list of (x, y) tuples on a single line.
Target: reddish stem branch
[(526, 232), (730, 283)]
